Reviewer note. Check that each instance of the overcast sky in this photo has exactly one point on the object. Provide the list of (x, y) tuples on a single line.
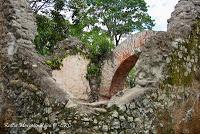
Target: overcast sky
[(160, 11)]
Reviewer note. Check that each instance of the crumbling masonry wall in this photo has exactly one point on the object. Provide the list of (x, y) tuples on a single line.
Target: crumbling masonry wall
[(112, 80), (30, 98)]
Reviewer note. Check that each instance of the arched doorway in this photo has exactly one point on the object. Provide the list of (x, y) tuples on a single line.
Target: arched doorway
[(121, 73)]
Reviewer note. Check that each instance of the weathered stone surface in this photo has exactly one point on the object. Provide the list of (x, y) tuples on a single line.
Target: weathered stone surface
[(150, 68), (26, 89), (183, 17), (126, 96), (18, 29), (72, 76), (70, 43), (20, 65)]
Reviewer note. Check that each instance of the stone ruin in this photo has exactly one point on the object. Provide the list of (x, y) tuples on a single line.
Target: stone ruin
[(32, 102)]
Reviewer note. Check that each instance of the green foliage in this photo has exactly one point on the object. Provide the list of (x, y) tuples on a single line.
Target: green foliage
[(49, 32), (98, 45), (55, 63), (93, 70), (82, 13), (59, 4), (42, 6), (131, 78), (44, 29), (52, 27), (118, 17)]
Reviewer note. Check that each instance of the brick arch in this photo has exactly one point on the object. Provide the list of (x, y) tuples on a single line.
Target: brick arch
[(121, 73), (119, 64)]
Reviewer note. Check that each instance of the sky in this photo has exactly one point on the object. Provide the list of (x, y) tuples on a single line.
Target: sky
[(160, 11)]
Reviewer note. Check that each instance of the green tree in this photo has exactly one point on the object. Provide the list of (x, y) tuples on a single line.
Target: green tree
[(45, 6), (49, 32), (51, 28), (115, 17), (130, 80), (80, 17), (98, 44)]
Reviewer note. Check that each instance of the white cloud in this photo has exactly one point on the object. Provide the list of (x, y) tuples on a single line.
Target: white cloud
[(161, 10)]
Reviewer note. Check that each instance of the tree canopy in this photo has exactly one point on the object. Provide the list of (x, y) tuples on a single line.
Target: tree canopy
[(89, 18), (45, 6), (114, 17)]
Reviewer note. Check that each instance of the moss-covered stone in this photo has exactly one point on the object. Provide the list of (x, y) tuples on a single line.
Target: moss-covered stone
[(184, 60)]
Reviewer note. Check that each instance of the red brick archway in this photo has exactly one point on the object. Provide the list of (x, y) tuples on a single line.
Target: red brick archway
[(120, 62), (121, 73)]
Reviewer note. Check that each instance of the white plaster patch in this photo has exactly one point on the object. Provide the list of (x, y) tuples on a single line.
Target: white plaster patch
[(72, 78), (12, 47)]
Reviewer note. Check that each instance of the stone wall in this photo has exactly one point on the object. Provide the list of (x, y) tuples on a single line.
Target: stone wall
[(18, 31), (184, 15), (18, 26), (144, 114), (31, 101), (19, 62)]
